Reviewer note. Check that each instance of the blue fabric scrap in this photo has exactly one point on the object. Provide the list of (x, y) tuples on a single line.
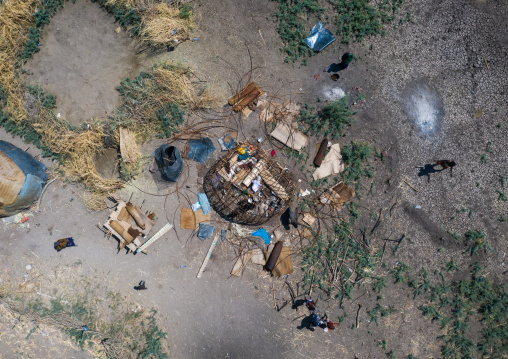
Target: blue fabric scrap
[(205, 230), (200, 150)]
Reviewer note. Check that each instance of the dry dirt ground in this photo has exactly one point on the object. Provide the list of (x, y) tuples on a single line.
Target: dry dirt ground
[(430, 96)]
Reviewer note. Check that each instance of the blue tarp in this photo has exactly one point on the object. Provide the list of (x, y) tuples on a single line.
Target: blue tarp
[(203, 201), (263, 234), (25, 161), (35, 179)]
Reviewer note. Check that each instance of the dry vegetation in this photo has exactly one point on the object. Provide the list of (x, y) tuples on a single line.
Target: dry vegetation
[(163, 25), (165, 89)]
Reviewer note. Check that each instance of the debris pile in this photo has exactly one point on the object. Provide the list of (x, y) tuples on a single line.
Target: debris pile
[(128, 223), (247, 187)]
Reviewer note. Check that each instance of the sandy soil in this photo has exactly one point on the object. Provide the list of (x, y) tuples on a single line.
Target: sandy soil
[(82, 59), (432, 70)]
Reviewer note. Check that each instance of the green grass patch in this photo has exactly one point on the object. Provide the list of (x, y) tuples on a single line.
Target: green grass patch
[(360, 19), (331, 121), (453, 305), (105, 325), (292, 27)]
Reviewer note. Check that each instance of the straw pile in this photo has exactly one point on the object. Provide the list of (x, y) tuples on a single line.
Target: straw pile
[(178, 87), (163, 25), (15, 19)]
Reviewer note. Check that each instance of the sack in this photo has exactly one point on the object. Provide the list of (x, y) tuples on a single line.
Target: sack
[(170, 162)]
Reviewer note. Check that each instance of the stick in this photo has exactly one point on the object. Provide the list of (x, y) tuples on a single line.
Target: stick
[(383, 254), (273, 292), (360, 296), (357, 313), (262, 37), (378, 221), (409, 185), (43, 190), (291, 293), (392, 208), (486, 63)]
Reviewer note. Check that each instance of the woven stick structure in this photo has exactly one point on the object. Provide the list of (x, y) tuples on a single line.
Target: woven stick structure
[(231, 181)]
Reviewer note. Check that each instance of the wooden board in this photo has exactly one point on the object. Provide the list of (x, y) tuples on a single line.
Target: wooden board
[(191, 220)]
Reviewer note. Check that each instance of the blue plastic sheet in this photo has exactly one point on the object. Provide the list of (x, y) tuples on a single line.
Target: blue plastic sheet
[(30, 192), (200, 150), (34, 181), (319, 38), (203, 201), (263, 234), (205, 231)]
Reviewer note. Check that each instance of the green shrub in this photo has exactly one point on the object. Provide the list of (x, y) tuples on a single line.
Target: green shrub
[(185, 11), (331, 121)]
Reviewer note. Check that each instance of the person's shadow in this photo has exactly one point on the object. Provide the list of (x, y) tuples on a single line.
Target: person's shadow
[(306, 323), (427, 170), (298, 303), (336, 67)]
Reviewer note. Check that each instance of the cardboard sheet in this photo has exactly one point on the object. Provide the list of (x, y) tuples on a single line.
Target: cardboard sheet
[(332, 164), (289, 135), (191, 220), (241, 262), (284, 264)]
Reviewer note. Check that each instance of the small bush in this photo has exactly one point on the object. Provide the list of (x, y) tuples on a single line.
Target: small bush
[(331, 121), (185, 12)]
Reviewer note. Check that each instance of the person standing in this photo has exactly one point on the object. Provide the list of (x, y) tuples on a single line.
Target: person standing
[(346, 60)]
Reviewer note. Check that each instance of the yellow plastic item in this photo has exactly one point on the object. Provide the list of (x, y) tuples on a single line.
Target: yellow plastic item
[(241, 150)]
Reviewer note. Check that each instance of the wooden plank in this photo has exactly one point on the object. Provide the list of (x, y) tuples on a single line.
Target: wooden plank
[(208, 256), (155, 237)]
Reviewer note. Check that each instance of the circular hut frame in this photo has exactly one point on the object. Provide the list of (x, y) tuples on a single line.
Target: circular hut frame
[(248, 188)]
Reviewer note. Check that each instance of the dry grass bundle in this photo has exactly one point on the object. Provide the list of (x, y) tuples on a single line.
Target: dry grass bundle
[(80, 150), (160, 23), (178, 88), (153, 101), (15, 19)]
